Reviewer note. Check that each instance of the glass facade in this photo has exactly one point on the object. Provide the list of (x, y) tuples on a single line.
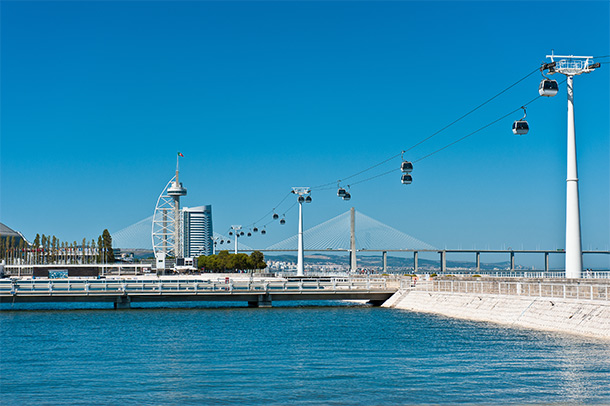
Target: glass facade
[(197, 233)]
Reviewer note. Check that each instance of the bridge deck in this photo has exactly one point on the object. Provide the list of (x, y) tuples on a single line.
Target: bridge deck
[(255, 292)]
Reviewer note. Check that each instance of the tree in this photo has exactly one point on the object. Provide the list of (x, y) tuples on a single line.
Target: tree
[(54, 248), (107, 243), (100, 250), (36, 245), (257, 260)]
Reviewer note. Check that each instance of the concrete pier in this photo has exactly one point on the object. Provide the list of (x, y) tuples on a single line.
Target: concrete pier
[(571, 306)]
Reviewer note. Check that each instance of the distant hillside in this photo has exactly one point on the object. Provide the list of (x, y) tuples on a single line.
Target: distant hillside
[(364, 261), (376, 262)]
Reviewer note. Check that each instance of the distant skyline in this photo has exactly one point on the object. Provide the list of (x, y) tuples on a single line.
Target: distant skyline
[(97, 98)]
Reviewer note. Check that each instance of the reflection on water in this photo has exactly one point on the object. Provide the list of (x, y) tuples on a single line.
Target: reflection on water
[(293, 354)]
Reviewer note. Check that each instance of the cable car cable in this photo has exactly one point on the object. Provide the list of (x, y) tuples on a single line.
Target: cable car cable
[(325, 186), (454, 142), (476, 131), (434, 134), (272, 210)]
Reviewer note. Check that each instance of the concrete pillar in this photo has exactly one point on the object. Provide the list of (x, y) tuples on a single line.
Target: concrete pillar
[(415, 261), (385, 261), (122, 302), (512, 261), (546, 262), (261, 301), (443, 261), (478, 262), (353, 260)]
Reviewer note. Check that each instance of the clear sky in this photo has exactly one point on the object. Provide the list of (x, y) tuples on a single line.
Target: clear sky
[(98, 97)]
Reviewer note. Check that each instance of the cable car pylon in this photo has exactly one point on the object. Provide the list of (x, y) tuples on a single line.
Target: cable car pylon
[(571, 66)]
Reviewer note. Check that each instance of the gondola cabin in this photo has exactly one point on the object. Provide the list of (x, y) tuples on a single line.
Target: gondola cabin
[(406, 179), (406, 167), (548, 88), (520, 127)]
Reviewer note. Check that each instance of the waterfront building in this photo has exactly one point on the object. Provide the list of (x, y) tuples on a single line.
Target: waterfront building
[(6, 233), (197, 231)]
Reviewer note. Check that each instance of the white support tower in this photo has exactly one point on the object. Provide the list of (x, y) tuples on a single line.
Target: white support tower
[(304, 197), (353, 263), (166, 225), (571, 66), (237, 230)]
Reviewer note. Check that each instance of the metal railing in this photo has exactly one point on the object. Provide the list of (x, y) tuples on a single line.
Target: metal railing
[(526, 274), (567, 290), (77, 287)]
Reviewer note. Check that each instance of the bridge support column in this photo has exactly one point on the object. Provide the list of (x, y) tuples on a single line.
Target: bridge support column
[(415, 261), (443, 261), (512, 261), (122, 302), (261, 301), (478, 262), (385, 261), (546, 262)]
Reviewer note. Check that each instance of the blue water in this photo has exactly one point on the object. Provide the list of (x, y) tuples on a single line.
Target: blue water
[(295, 354)]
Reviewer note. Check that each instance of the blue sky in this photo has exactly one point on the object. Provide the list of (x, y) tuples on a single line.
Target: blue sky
[(97, 98)]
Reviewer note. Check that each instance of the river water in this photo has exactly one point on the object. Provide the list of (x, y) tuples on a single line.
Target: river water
[(334, 354)]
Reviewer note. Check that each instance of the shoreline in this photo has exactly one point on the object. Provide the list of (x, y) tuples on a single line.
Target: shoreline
[(580, 316)]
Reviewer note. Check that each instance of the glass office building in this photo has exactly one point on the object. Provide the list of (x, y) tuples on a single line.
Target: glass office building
[(197, 231)]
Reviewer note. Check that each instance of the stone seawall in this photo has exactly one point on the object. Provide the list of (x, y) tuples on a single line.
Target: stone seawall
[(577, 316)]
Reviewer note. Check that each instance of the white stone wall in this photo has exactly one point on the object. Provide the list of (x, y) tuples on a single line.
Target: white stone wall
[(578, 316)]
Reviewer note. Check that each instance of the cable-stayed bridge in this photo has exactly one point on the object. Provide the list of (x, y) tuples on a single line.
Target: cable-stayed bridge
[(138, 236), (334, 234)]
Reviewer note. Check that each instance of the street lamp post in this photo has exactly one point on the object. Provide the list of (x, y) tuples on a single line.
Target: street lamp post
[(304, 197)]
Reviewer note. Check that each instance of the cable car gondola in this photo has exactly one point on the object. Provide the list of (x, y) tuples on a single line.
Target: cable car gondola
[(406, 179), (406, 166), (249, 234), (230, 232), (255, 229), (263, 231), (341, 192), (347, 196), (282, 221), (520, 127), (301, 199), (548, 88), (308, 199), (276, 216)]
